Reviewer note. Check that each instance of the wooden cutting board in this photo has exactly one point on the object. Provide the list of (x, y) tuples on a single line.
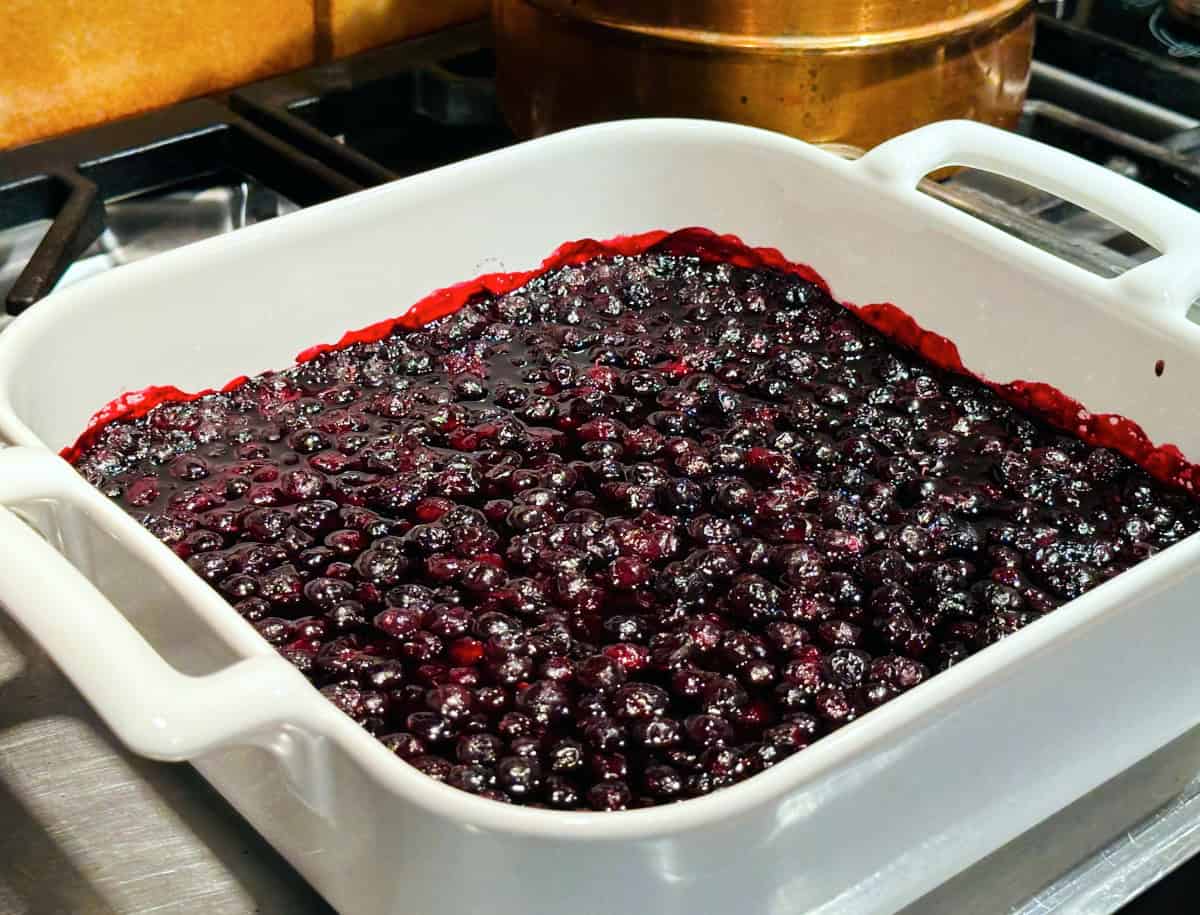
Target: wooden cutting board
[(347, 26), (68, 64)]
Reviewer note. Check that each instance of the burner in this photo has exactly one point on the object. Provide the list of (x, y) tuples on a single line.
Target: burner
[(1178, 38), (1134, 46)]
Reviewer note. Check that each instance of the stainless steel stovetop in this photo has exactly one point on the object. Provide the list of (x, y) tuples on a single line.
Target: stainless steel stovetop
[(86, 828), (146, 225)]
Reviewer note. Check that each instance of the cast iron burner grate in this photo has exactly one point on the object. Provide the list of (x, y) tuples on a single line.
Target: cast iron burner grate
[(1130, 45), (71, 179), (390, 112)]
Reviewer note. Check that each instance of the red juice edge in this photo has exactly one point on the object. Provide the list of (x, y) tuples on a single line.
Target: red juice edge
[(1163, 462)]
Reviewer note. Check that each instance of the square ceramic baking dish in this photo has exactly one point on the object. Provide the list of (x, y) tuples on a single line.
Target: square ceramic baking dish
[(866, 820)]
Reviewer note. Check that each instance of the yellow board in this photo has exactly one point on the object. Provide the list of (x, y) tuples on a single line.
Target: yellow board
[(69, 64)]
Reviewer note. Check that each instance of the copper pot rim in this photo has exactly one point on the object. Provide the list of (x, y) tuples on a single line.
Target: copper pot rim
[(937, 32)]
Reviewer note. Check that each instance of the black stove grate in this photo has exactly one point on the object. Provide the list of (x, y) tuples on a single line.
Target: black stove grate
[(1113, 43), (391, 112), (69, 180), (1170, 166)]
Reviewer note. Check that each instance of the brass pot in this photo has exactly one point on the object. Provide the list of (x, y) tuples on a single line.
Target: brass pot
[(829, 71)]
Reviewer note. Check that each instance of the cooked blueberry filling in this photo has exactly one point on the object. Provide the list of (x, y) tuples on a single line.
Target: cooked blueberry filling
[(631, 533)]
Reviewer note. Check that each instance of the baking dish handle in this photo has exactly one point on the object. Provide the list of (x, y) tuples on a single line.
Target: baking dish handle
[(153, 708), (1169, 283)]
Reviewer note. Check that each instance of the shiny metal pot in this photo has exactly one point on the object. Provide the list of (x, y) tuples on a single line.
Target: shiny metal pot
[(852, 71)]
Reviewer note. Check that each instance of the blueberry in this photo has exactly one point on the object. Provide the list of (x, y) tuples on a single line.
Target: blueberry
[(519, 777), (613, 795)]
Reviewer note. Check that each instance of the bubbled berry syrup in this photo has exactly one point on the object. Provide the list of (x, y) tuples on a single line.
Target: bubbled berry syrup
[(636, 525)]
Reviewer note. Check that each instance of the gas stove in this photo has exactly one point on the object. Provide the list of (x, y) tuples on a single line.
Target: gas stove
[(87, 202), (1116, 81)]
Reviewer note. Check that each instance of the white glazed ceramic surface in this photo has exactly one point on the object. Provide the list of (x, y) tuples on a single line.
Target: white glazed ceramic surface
[(866, 820)]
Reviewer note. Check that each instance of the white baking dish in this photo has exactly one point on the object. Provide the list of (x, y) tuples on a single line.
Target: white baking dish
[(868, 819)]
